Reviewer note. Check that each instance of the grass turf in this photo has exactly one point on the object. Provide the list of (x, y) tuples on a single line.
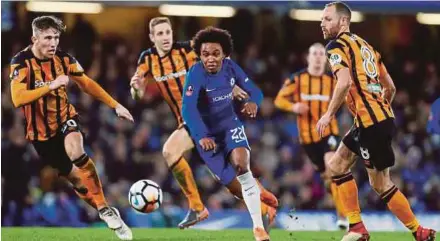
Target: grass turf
[(156, 234)]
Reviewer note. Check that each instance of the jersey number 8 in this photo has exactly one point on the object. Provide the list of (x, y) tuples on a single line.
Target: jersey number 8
[(368, 62)]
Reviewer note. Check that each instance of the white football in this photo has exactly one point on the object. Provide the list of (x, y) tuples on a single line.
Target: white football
[(145, 196)]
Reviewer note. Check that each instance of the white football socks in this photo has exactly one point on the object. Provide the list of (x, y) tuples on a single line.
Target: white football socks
[(251, 195)]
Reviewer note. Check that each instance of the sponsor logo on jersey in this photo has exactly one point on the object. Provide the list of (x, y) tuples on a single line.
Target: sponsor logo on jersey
[(315, 97), (223, 97), (170, 76), (40, 83)]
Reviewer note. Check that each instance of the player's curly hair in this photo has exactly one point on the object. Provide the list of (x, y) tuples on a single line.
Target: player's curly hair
[(45, 22), (213, 35)]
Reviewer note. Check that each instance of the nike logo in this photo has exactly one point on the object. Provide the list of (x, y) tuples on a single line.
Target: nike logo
[(209, 90), (249, 188), (238, 141)]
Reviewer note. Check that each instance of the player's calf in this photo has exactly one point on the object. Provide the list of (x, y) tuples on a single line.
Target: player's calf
[(393, 198), (79, 188), (240, 160), (380, 181), (73, 143)]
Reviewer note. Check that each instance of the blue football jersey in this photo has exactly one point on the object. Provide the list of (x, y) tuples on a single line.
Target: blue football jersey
[(208, 106)]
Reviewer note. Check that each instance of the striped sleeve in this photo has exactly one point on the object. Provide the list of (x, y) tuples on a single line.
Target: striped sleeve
[(283, 100), (143, 68), (18, 69), (337, 56), (74, 68)]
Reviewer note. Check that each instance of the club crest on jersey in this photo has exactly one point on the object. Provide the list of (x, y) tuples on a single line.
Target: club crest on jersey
[(189, 91), (232, 81), (335, 59)]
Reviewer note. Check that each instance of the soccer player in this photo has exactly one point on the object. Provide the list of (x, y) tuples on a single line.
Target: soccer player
[(307, 93), (39, 77), (167, 64), (361, 74), (209, 114)]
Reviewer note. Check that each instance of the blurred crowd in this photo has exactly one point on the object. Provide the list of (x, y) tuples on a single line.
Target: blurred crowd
[(124, 152)]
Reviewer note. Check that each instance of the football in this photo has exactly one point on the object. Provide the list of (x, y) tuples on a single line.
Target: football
[(145, 196)]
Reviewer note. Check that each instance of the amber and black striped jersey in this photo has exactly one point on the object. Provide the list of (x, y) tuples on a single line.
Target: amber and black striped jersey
[(365, 64), (168, 72), (316, 92), (46, 110)]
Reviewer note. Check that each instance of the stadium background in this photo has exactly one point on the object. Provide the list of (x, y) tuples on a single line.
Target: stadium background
[(269, 45)]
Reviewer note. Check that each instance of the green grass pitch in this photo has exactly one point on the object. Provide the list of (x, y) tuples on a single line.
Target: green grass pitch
[(156, 234)]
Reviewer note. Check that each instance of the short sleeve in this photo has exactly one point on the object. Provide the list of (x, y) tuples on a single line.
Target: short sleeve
[(18, 69), (337, 57), (143, 68), (74, 68)]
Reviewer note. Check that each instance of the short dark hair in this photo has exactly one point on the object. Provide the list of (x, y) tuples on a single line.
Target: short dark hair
[(157, 21), (213, 35), (45, 22), (341, 9)]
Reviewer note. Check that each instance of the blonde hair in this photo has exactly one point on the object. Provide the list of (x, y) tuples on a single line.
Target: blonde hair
[(157, 21), (316, 45)]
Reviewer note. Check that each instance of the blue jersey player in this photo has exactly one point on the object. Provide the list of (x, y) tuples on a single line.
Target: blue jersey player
[(209, 115)]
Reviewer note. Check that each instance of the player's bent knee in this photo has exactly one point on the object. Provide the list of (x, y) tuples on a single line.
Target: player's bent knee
[(170, 156)]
